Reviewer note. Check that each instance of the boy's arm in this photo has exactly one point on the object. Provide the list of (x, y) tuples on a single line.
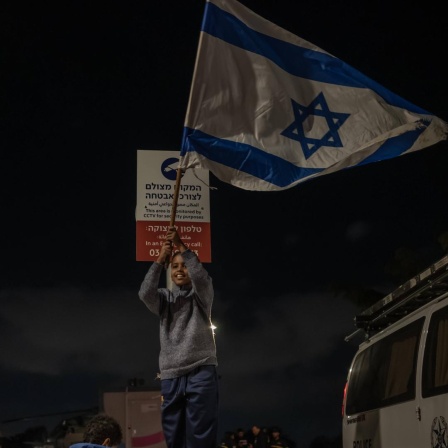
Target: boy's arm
[(201, 280), (148, 292)]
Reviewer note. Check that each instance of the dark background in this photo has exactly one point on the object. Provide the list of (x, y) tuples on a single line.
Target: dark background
[(84, 86)]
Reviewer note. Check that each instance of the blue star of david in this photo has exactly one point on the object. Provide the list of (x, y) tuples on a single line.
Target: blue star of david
[(319, 108)]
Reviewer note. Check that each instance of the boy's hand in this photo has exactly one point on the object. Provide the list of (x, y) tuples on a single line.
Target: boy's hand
[(165, 252), (173, 236)]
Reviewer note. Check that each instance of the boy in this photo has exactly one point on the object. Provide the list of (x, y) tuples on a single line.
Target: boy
[(187, 360), (101, 430)]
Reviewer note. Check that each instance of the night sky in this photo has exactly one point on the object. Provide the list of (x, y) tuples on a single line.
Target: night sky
[(84, 86)]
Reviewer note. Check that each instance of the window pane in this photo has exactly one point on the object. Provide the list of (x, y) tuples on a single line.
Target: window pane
[(435, 363), (384, 373)]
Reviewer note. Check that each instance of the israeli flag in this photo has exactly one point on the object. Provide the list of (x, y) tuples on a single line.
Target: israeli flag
[(268, 110)]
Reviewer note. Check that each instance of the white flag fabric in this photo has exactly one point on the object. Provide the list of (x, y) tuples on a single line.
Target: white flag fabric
[(268, 110)]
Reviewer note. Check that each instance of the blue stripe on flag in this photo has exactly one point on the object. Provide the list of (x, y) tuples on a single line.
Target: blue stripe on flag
[(244, 157), (395, 146), (297, 61)]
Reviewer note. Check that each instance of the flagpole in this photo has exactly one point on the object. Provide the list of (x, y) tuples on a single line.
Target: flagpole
[(176, 196), (172, 219)]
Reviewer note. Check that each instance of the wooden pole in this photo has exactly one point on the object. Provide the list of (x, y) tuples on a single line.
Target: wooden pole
[(174, 206)]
